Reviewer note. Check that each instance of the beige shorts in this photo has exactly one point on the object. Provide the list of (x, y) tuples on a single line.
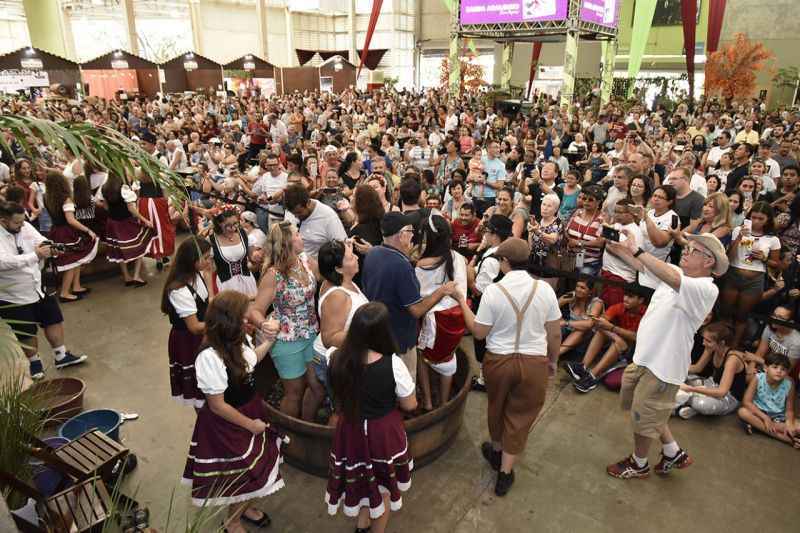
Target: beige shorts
[(649, 399)]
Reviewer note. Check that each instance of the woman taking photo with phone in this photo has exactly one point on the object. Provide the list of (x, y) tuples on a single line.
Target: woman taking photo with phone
[(754, 248)]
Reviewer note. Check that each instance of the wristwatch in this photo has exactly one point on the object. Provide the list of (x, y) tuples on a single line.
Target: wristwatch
[(638, 252)]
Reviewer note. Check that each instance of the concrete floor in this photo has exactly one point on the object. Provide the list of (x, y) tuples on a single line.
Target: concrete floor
[(738, 483)]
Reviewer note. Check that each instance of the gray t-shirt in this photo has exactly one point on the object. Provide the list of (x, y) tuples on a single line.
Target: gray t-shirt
[(600, 132), (689, 208), (788, 345)]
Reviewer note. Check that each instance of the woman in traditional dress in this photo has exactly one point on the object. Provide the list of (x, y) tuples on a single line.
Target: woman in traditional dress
[(234, 455), (443, 325), (370, 464), (229, 243), (185, 299), (80, 241), (155, 208), (128, 233)]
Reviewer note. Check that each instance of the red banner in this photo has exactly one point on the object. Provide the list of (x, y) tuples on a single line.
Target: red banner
[(535, 53), (373, 21), (689, 15), (716, 12)]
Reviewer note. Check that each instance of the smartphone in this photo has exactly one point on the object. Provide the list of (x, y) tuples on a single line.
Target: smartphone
[(748, 225), (570, 295), (610, 233), (675, 221)]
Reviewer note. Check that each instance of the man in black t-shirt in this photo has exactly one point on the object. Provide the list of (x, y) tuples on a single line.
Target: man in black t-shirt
[(741, 159)]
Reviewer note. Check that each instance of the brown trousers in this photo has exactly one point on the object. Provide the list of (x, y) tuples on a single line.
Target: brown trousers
[(516, 385)]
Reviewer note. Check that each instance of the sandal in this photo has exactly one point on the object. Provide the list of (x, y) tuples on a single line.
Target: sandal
[(65, 300), (86, 290), (264, 521)]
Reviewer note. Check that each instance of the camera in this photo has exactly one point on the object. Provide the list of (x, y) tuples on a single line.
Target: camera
[(57, 246), (610, 233)]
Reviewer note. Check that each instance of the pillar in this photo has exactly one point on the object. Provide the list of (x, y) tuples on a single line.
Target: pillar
[(290, 55), (194, 17), (570, 64), (609, 52), (506, 64), (351, 28), (261, 14), (130, 26), (49, 27), (454, 61)]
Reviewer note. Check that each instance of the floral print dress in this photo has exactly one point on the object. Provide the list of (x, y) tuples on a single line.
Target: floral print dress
[(294, 305)]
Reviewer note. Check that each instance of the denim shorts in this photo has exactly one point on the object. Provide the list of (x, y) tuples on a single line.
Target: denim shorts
[(320, 366), (291, 357), (734, 279)]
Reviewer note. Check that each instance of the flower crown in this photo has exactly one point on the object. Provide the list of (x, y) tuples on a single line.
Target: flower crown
[(222, 208)]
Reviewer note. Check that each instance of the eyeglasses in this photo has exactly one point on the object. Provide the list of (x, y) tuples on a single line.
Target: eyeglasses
[(689, 250)]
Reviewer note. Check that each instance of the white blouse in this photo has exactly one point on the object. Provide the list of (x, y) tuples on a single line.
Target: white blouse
[(183, 301), (212, 377)]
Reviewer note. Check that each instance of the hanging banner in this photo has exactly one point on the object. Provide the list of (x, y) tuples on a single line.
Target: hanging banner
[(535, 53), (373, 21), (249, 65), (716, 13), (642, 20), (119, 64), (689, 16), (499, 11), (603, 12)]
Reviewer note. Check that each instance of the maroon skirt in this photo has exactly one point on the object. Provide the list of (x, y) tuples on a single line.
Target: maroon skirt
[(228, 464), (81, 248), (369, 458), (182, 347), (127, 240)]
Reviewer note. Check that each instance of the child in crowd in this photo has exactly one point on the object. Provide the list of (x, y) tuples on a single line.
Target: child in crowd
[(768, 404)]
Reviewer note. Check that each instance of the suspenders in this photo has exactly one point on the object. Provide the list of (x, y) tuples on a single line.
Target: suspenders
[(519, 312)]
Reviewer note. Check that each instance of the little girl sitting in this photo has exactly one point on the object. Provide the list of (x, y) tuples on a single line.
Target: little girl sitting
[(768, 403)]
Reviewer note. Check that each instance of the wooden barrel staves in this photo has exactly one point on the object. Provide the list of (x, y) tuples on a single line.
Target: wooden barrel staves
[(429, 435)]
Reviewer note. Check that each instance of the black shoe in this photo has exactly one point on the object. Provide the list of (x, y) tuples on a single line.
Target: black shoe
[(576, 370), (586, 383), (477, 385), (70, 359), (504, 482), (492, 456), (159, 265)]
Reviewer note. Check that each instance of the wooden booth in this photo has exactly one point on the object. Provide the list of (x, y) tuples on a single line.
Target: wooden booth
[(191, 72), (334, 75), (32, 68), (250, 74), (118, 71)]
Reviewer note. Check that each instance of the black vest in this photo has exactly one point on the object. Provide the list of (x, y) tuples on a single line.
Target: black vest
[(177, 322), (239, 393), (227, 269)]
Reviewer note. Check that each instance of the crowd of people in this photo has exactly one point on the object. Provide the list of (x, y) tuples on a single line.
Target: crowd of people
[(358, 238)]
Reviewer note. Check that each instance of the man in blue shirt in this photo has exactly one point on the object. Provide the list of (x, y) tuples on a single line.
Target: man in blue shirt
[(484, 190), (389, 278)]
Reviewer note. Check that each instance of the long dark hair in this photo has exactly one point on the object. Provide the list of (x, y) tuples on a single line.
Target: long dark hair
[(369, 330), (82, 195), (56, 192), (765, 209), (436, 242), (182, 271), (225, 332), (112, 188)]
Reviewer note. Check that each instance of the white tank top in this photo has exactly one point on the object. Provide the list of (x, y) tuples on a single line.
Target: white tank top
[(357, 299)]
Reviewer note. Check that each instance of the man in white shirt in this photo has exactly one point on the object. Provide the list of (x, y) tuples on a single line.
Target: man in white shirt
[(723, 147), (682, 300), (317, 222), (520, 319), (765, 154), (451, 122), (21, 295), (277, 129), (268, 191)]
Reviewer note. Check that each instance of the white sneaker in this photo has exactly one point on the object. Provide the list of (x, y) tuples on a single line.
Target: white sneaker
[(686, 412)]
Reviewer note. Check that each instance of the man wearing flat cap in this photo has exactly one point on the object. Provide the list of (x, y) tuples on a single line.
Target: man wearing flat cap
[(519, 318), (682, 299), (389, 278)]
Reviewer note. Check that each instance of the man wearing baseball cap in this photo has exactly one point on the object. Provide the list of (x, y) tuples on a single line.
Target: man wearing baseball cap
[(520, 319), (683, 298), (389, 278)]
